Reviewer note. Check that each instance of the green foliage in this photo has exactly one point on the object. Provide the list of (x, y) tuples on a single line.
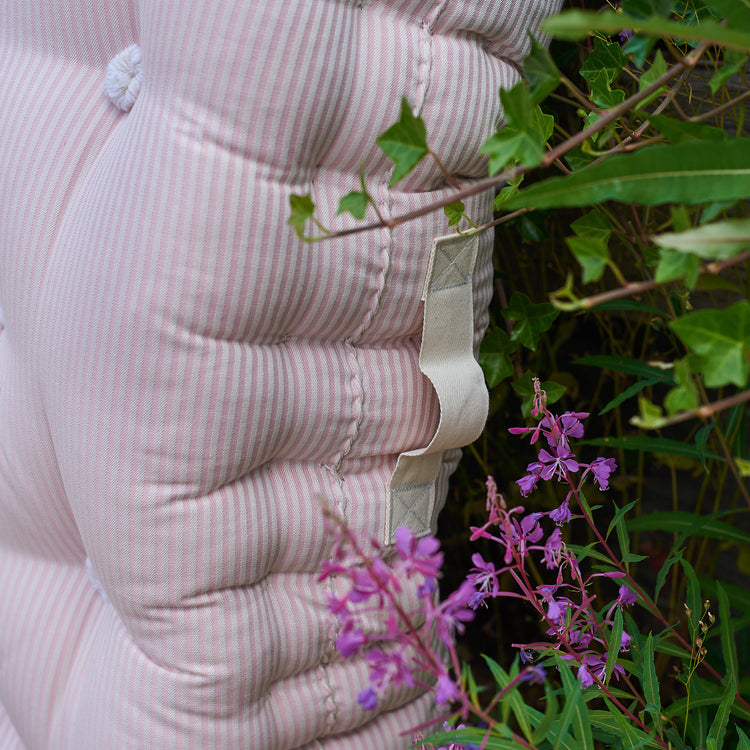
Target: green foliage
[(405, 143)]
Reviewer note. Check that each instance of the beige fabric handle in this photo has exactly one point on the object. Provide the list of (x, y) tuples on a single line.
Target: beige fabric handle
[(447, 359)]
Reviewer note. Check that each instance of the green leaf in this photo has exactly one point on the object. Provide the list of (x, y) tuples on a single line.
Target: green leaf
[(619, 516), (689, 524), (685, 396), (614, 643), (355, 203), (593, 225), (649, 417), (701, 438), (650, 445), (628, 366), (679, 131), (574, 712), (728, 647), (512, 699), (650, 682), (722, 340), (628, 393), (551, 710), (302, 209), (733, 63), (507, 192), (605, 57), (744, 740), (493, 357), (719, 241), (721, 718), (454, 212), (665, 568), (524, 136), (736, 12), (658, 68), (592, 254), (693, 595), (405, 142), (628, 735), (680, 173), (674, 265), (540, 71), (577, 24), (531, 320), (628, 305), (602, 93)]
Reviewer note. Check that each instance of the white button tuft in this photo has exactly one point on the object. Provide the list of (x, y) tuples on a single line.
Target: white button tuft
[(122, 81)]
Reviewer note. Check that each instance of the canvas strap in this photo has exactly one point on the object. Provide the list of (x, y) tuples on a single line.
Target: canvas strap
[(447, 359)]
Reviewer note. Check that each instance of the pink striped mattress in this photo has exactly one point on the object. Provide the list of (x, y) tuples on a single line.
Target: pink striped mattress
[(182, 379)]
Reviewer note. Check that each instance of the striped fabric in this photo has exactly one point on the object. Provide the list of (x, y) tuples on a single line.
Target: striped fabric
[(181, 379)]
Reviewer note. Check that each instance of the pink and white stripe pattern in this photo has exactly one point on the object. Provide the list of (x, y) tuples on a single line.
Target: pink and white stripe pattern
[(181, 379)]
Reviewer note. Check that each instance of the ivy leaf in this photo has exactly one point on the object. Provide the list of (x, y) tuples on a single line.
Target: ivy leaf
[(454, 212), (540, 71), (507, 192), (722, 340), (685, 396), (302, 209), (674, 265), (593, 255), (602, 92), (606, 57), (733, 62), (647, 8), (736, 12), (493, 357), (531, 320), (658, 68), (594, 224), (525, 135), (405, 142), (355, 203)]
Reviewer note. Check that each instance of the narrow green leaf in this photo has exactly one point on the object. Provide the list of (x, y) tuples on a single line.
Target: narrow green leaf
[(576, 24), (650, 682), (628, 305), (651, 445), (629, 366), (721, 718), (701, 438), (693, 595), (619, 516), (614, 643), (405, 142), (665, 568), (551, 710), (689, 524), (574, 711), (728, 647), (512, 700), (680, 173), (628, 393), (733, 63), (744, 740), (679, 131), (629, 736), (718, 241)]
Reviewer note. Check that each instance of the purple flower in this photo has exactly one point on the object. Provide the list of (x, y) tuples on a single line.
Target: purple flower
[(527, 483), (485, 577), (452, 613), (561, 428), (561, 514), (601, 468), (445, 690), (585, 676), (535, 674), (368, 699), (350, 640), (552, 548), (556, 463), (626, 597), (420, 556)]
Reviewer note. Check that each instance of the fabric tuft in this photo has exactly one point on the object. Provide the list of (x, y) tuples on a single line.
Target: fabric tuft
[(122, 81)]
